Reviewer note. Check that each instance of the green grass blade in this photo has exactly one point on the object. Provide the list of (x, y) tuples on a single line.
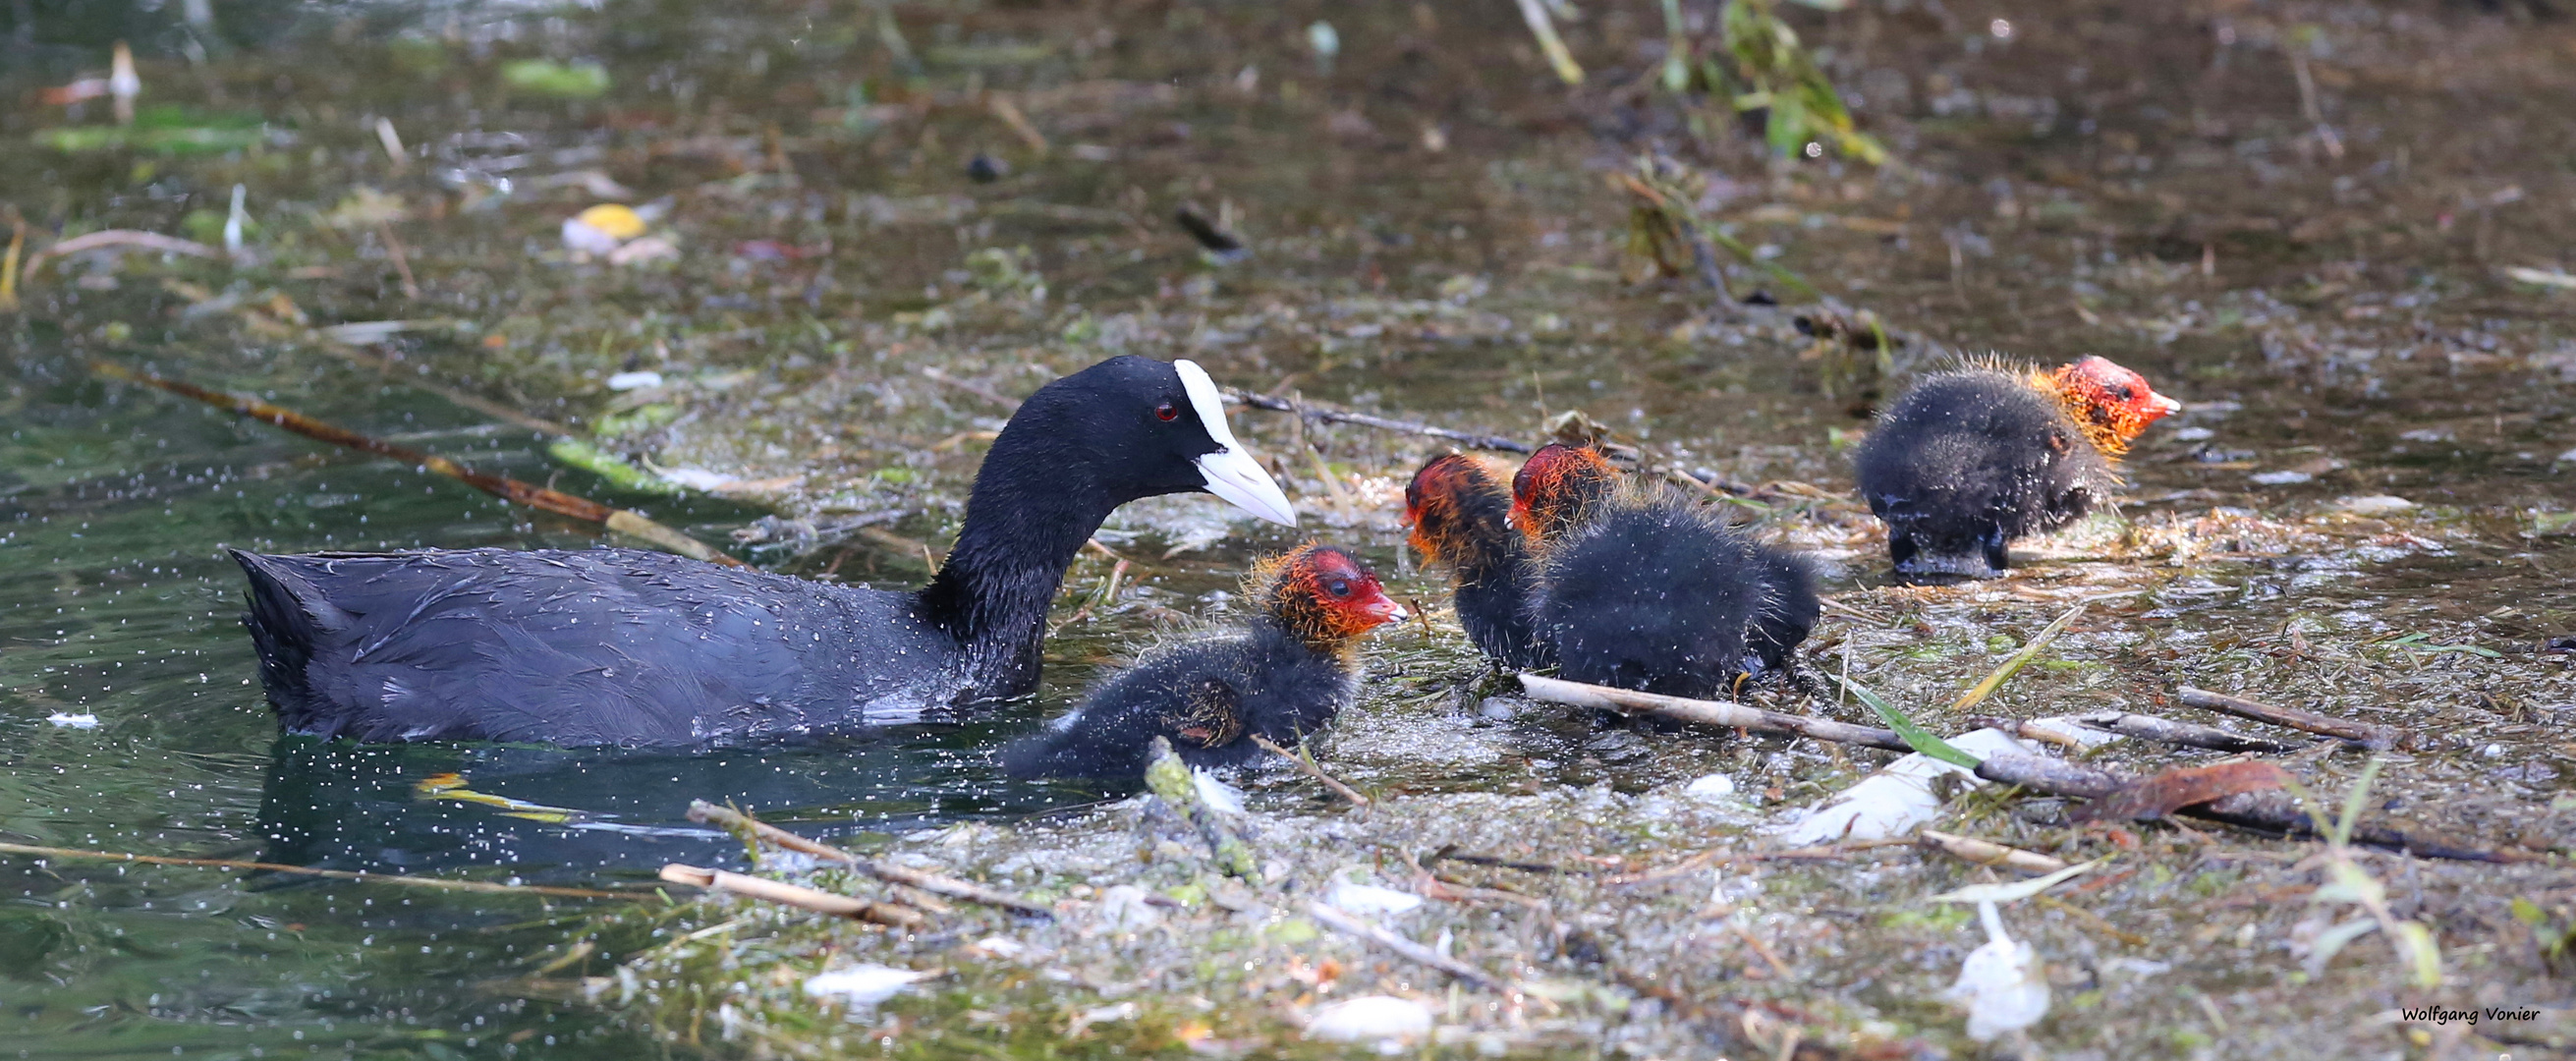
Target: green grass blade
[(1914, 736)]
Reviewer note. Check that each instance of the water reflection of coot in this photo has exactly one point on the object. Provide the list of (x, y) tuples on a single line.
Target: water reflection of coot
[(342, 805)]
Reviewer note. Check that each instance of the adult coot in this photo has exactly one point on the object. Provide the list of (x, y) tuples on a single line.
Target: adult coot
[(635, 648), (1972, 459), (1282, 675)]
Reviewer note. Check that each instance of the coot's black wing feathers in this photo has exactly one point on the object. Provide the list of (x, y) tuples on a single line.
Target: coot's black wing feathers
[(1657, 596), (1206, 695), (607, 646), (1968, 461)]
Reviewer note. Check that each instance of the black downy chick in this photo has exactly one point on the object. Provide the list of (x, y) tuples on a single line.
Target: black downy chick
[(1973, 459), (1642, 587), (1284, 674), (1460, 518)]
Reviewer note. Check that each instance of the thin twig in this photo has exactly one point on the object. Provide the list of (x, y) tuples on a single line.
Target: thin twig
[(1010, 115), (1978, 693), (707, 813), (1720, 856), (334, 874), (401, 259), (2369, 735), (796, 895), (121, 237), (1008, 403), (1308, 768), (1708, 712), (2270, 810), (1988, 852), (1311, 411), (2187, 734), (1400, 946), (623, 521)]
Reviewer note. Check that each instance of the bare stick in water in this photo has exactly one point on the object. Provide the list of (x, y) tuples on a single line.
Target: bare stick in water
[(1709, 712), (1398, 945), (2367, 734), (623, 521), (1311, 770), (796, 895), (728, 818), (441, 883), (1311, 411)]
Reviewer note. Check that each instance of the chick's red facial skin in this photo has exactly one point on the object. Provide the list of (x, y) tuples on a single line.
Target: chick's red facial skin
[(2113, 404), (1324, 596), (1554, 485)]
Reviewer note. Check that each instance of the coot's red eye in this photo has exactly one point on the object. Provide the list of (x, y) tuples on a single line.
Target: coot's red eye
[(1338, 588), (1167, 412)]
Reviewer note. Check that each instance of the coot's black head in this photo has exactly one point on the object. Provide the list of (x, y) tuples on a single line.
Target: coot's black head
[(1133, 427)]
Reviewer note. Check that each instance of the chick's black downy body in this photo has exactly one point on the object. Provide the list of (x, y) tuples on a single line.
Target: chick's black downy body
[(1658, 594), (1206, 695), (1282, 675), (1969, 461), (633, 648)]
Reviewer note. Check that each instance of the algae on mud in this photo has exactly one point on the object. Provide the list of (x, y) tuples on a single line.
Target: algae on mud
[(1433, 239)]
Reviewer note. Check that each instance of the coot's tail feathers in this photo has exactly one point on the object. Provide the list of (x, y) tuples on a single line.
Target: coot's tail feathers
[(288, 615), (1078, 747)]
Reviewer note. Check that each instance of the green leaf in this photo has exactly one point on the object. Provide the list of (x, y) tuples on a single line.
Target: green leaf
[(1914, 736), (584, 80)]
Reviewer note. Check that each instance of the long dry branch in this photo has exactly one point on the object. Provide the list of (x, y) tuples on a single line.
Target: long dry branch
[(440, 883), (2366, 734), (1708, 712), (796, 895), (2271, 810), (623, 521), (707, 813), (1311, 411)]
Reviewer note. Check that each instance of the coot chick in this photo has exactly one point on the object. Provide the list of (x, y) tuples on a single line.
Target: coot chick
[(1640, 586), (644, 649), (1973, 459), (1283, 674), (1459, 513)]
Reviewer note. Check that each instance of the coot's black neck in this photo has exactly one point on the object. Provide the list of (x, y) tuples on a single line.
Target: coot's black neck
[(1036, 501)]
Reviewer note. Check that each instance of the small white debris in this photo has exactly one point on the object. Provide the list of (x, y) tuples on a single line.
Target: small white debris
[(627, 381), (861, 986), (2280, 478), (697, 478), (1002, 947), (1897, 798), (1217, 794), (644, 249), (2191, 434), (1369, 900), (67, 720), (1987, 894), (2001, 983), (1125, 908), (2373, 504), (1711, 787), (2568, 457), (1385, 1019), (1498, 709)]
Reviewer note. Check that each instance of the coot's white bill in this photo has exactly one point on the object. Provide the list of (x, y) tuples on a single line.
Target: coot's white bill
[(1231, 473)]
